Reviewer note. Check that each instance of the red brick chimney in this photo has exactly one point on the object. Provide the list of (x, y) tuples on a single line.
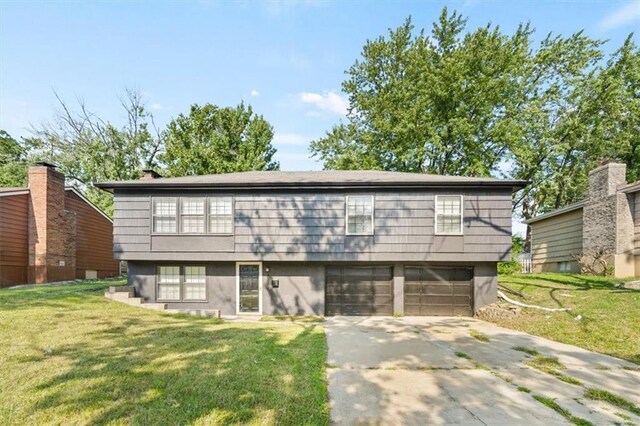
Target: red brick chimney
[(51, 228), (150, 174)]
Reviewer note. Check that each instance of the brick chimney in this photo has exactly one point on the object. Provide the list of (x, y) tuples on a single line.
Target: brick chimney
[(150, 174), (608, 218), (51, 227), (605, 180)]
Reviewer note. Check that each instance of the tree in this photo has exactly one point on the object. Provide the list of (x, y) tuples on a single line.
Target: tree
[(430, 104), (13, 164), (212, 140), (484, 103), (89, 149)]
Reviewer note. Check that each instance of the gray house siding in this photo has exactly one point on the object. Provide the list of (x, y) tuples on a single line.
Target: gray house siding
[(301, 288), (311, 227)]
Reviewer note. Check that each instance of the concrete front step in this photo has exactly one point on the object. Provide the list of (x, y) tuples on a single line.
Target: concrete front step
[(121, 289), (127, 297)]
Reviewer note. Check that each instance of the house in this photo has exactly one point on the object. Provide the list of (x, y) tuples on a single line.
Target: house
[(51, 233), (607, 221), (322, 243)]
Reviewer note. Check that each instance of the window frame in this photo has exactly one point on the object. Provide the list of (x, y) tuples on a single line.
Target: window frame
[(346, 214), (154, 215), (208, 215), (178, 215), (182, 299), (158, 275), (436, 214), (204, 215)]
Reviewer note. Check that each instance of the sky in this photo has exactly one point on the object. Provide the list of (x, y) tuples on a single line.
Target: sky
[(287, 59)]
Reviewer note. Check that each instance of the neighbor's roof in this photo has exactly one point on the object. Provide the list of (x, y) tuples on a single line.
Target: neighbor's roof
[(6, 191), (630, 187), (314, 179), (557, 212)]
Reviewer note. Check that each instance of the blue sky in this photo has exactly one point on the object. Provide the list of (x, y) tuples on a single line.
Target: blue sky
[(285, 58)]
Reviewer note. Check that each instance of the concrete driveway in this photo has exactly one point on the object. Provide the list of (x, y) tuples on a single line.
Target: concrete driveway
[(413, 371)]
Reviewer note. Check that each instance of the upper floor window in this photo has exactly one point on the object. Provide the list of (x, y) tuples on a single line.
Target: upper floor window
[(449, 214), (192, 215), (359, 215), (164, 215), (220, 215)]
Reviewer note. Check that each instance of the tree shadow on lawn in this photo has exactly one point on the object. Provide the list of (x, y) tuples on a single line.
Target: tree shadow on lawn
[(192, 369)]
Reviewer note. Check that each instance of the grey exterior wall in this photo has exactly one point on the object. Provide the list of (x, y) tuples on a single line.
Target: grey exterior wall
[(311, 227), (301, 288)]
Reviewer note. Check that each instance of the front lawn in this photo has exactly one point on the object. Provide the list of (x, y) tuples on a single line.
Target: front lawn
[(70, 356), (603, 318)]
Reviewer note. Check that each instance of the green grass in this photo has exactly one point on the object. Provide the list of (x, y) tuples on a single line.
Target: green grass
[(524, 389), (603, 395), (479, 336), (70, 356), (462, 355), (561, 410), (609, 315), (292, 318), (526, 350), (551, 365)]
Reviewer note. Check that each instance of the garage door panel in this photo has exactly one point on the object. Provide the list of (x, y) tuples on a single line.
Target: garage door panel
[(438, 291), (357, 290)]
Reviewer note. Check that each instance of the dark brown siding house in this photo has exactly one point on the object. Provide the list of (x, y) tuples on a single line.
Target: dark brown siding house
[(51, 233), (321, 243)]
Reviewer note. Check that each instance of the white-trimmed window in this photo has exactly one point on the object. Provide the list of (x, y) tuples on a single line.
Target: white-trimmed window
[(192, 215), (221, 215), (195, 283), (564, 267), (164, 215), (168, 283), (359, 214), (449, 214)]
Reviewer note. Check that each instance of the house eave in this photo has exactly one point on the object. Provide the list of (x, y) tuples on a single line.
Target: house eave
[(557, 212), (514, 185)]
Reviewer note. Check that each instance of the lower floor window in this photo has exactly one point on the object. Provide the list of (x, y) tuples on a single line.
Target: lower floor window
[(187, 283)]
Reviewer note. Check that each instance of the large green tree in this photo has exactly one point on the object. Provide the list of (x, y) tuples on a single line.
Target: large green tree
[(91, 149), (486, 103), (13, 161), (213, 140)]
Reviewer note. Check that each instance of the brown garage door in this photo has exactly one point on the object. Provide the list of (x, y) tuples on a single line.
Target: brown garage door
[(359, 290), (438, 291)]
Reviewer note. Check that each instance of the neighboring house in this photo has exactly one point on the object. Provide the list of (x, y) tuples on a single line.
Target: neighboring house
[(51, 233), (323, 243), (608, 220)]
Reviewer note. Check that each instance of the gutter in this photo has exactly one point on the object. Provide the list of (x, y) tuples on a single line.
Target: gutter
[(110, 186)]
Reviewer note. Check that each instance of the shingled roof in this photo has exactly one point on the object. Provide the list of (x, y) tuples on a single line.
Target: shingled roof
[(314, 179)]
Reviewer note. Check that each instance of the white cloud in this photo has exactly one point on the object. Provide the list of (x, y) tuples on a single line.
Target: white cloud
[(157, 107), (626, 14), (291, 139), (255, 93), (327, 101)]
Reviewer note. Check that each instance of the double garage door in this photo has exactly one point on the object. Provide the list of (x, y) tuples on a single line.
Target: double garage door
[(368, 290)]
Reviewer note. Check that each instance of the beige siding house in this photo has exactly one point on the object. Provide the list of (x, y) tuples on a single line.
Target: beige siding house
[(609, 220)]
